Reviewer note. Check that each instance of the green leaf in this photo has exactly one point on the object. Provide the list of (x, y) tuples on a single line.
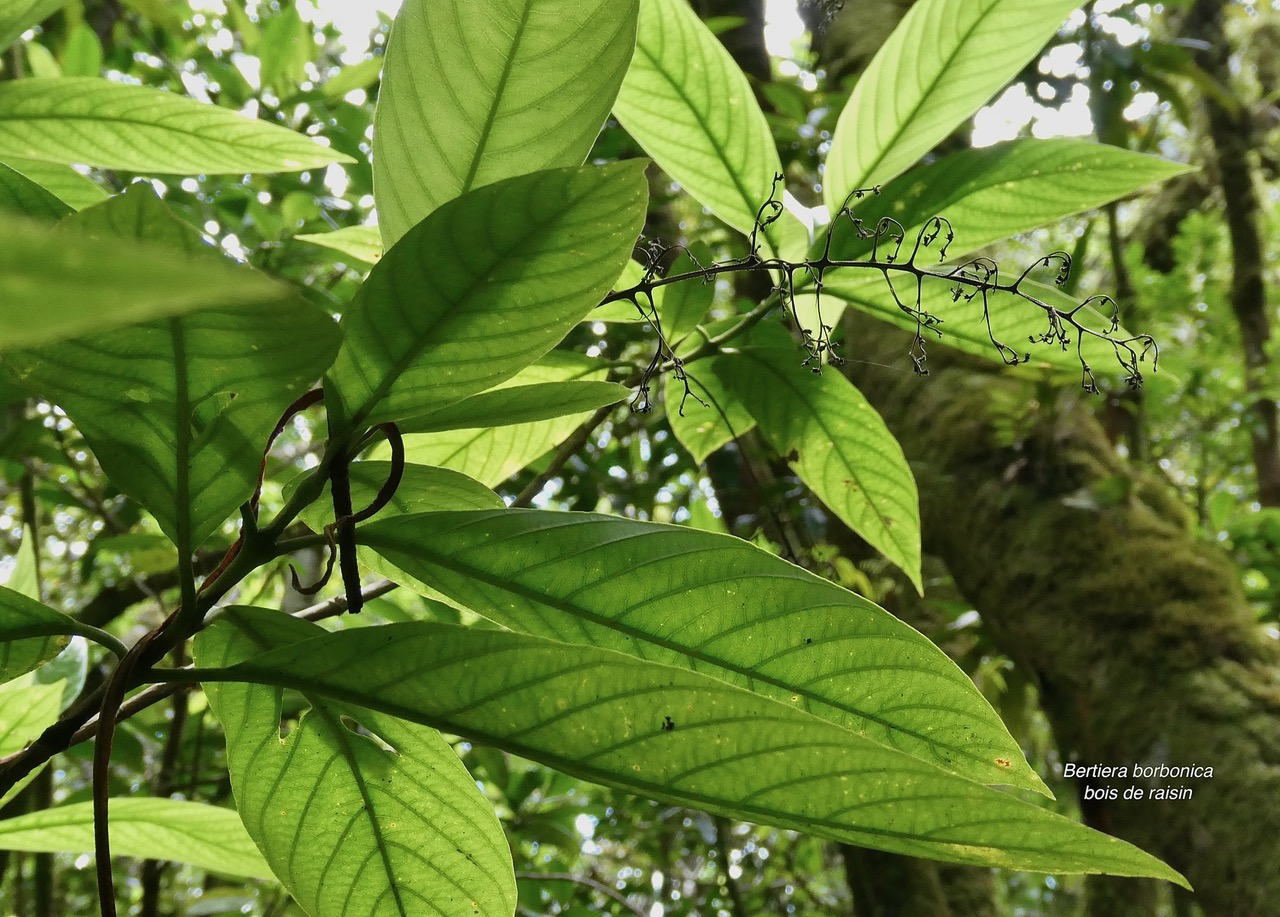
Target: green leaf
[(690, 106), (942, 63), (16, 16), (363, 243), (392, 821), (64, 182), (1013, 321), (992, 193), (118, 126), (493, 454), (26, 710), (19, 194), (360, 75), (30, 633), (56, 284), (474, 94), (147, 829), (714, 604), (178, 411), (554, 386), (482, 288), (834, 440), (702, 429), (682, 306), (684, 737)]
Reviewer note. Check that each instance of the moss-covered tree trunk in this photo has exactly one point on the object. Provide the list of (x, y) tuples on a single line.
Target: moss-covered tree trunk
[(1087, 574)]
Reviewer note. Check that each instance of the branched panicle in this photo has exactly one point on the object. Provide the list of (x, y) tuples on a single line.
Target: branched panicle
[(971, 281)]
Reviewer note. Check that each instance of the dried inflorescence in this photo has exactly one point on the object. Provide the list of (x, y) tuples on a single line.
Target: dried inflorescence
[(973, 280)]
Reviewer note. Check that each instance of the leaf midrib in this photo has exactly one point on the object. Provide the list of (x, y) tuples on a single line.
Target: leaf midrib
[(924, 95), (491, 116)]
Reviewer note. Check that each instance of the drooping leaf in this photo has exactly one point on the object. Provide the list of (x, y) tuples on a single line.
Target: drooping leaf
[(19, 194), (118, 126), (178, 411), (56, 284), (206, 836), (993, 193), (481, 289), (703, 426), (715, 604), (362, 243), (476, 93), (834, 440), (16, 16), (690, 106), (30, 633), (392, 821), (65, 183), (683, 737), (942, 63)]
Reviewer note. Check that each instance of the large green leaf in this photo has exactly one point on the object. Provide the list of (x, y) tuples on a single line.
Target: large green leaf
[(148, 829), (685, 737), (358, 813), (118, 126), (834, 440), (992, 193), (481, 289), (942, 63), (690, 106), (491, 455), (56, 284), (715, 604), (178, 411), (1013, 322), (476, 93), (19, 194), (16, 16), (30, 633)]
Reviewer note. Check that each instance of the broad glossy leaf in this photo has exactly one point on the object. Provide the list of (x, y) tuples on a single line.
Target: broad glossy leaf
[(19, 194), (16, 16), (683, 737), (178, 411), (715, 604), (704, 428), (493, 454), (1013, 321), (56, 284), (690, 106), (992, 193), (362, 243), (117, 126), (30, 633), (942, 63), (206, 836), (477, 93), (682, 306), (482, 288), (64, 182), (834, 440), (392, 821)]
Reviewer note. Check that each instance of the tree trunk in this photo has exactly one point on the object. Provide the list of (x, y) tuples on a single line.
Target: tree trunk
[(1135, 632)]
